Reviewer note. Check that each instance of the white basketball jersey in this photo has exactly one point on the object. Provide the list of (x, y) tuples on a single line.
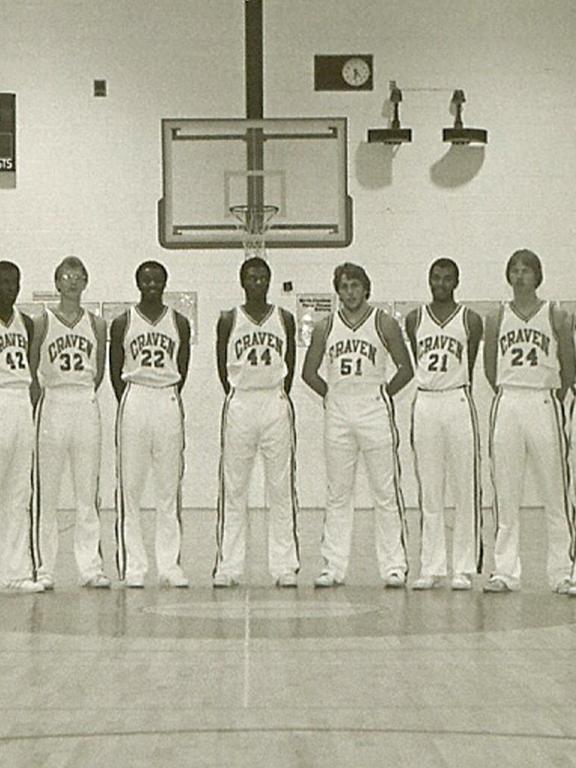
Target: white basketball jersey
[(14, 370), (257, 351), (442, 350), (527, 349), (67, 352), (355, 355), (151, 349)]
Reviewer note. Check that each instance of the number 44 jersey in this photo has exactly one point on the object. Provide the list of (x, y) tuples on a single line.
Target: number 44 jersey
[(527, 349), (257, 350)]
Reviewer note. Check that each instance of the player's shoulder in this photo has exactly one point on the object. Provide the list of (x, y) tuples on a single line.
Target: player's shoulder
[(385, 321)]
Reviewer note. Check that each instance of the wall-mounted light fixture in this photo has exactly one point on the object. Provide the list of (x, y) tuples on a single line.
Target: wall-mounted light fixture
[(394, 134), (458, 134)]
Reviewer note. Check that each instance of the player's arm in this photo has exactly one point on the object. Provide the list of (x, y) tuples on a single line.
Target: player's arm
[(411, 323), (392, 336), (116, 356), (491, 348), (290, 357), (38, 333), (100, 333), (566, 355), (183, 359), (223, 331), (314, 357), (29, 325), (475, 329)]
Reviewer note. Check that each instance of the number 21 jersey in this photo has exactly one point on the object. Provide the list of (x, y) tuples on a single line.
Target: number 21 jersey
[(355, 354), (442, 350), (527, 349)]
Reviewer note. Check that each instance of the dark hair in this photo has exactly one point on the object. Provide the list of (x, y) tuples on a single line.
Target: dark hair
[(445, 263), (353, 272), (528, 259), (9, 266), (151, 265), (74, 263), (254, 261)]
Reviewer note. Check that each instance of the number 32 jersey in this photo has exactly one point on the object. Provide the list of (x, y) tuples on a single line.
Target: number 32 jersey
[(67, 352), (356, 354), (151, 349), (442, 350), (527, 349)]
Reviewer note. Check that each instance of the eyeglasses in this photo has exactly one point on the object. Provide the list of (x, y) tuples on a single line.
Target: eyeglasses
[(70, 276)]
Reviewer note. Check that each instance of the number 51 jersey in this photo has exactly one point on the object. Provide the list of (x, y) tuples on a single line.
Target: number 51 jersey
[(356, 354), (527, 349)]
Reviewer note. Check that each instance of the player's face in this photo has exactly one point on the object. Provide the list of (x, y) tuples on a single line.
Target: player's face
[(256, 282), (522, 277), (71, 282), (352, 293), (443, 282), (9, 287), (151, 283)]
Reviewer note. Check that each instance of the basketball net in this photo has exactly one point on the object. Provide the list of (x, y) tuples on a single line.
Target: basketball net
[(253, 223)]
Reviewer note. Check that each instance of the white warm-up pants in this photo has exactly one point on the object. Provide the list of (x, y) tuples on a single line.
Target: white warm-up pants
[(446, 446), (353, 425), (149, 435), (67, 428), (252, 420), (529, 424), (15, 483)]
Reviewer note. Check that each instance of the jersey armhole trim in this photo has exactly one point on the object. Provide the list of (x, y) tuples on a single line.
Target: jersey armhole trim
[(377, 315)]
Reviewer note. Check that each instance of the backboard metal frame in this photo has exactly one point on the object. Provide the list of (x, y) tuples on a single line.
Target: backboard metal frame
[(246, 145)]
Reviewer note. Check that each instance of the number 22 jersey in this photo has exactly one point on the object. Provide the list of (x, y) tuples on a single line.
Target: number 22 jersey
[(527, 349), (151, 349)]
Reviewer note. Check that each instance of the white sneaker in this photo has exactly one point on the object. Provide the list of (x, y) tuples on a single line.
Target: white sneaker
[(46, 581), (327, 579), (223, 580), (496, 584), (427, 582), (134, 582), (99, 581), (572, 589), (23, 585), (287, 579), (395, 580), (461, 582), (179, 581), (563, 586)]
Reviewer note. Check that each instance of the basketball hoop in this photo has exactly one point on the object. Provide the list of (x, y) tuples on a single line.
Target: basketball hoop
[(254, 221)]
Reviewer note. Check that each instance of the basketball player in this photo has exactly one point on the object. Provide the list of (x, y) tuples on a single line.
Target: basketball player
[(67, 361), (149, 357), (444, 337), (355, 343), (529, 361), (256, 352), (17, 437)]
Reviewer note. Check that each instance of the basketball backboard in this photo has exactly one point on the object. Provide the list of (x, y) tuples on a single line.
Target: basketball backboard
[(298, 165)]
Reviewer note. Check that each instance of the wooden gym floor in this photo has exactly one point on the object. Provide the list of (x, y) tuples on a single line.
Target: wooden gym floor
[(257, 676)]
